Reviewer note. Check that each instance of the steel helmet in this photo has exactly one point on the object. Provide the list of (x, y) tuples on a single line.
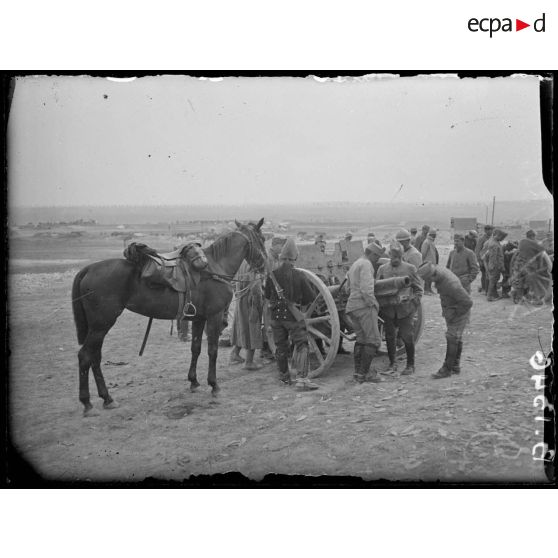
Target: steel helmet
[(402, 234)]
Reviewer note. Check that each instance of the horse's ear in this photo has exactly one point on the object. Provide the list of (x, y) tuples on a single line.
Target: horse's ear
[(260, 223), (238, 224)]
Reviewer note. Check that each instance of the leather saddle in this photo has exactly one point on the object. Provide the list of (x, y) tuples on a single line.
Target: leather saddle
[(178, 270)]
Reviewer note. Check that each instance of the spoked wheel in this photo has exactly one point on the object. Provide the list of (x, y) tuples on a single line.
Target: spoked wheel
[(322, 325)]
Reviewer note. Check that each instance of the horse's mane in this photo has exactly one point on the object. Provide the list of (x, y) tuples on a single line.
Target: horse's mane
[(222, 244), (220, 247)]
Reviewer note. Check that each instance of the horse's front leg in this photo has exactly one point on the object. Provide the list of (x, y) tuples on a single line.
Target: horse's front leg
[(197, 332), (214, 325)]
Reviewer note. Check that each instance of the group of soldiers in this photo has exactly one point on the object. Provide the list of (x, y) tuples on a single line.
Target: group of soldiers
[(409, 255), (416, 258)]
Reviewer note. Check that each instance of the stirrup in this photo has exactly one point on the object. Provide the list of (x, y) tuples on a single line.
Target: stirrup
[(186, 314)]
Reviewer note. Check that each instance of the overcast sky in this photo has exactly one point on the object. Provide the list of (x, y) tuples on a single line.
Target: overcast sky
[(180, 140)]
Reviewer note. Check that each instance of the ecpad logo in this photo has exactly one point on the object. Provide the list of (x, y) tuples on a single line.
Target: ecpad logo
[(492, 25)]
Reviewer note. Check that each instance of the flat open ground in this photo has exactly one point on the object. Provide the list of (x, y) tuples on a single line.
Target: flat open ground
[(479, 426)]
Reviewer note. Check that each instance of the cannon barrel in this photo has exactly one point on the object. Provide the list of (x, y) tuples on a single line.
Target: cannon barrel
[(391, 286)]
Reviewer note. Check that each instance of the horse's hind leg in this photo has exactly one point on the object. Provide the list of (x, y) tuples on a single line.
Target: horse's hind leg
[(84, 365), (197, 332), (97, 343), (90, 357)]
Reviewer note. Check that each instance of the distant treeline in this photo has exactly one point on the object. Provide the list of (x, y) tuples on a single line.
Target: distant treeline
[(340, 213)]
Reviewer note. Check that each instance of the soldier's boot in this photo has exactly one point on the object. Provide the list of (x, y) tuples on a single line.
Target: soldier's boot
[(357, 356), (302, 381), (451, 353), (410, 368), (456, 369), (283, 367), (367, 372), (391, 346)]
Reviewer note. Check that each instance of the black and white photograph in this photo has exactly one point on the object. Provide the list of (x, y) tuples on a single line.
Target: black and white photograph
[(305, 275)]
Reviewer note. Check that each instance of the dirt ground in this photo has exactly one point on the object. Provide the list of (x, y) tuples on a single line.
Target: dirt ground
[(478, 426)]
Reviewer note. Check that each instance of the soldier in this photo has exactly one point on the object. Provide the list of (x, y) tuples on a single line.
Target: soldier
[(277, 243), (429, 254), (421, 237), (371, 237), (463, 263), (528, 249), (285, 287), (344, 244), (413, 235), (509, 249), (247, 331), (470, 240), (410, 253), (362, 309), (479, 253), (494, 263), (320, 241), (400, 316), (456, 310)]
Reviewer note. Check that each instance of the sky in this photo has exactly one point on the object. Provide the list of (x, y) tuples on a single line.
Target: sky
[(175, 140)]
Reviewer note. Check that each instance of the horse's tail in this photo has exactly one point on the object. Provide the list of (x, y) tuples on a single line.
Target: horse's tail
[(80, 318)]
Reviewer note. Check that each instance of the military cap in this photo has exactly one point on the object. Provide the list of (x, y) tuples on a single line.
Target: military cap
[(426, 269), (402, 234), (289, 251), (375, 249)]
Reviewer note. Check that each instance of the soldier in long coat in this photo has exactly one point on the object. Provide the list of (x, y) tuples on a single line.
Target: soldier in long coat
[(247, 323)]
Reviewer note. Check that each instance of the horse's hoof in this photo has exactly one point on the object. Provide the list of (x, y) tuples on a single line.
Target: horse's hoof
[(92, 412), (112, 405), (215, 391), (194, 386)]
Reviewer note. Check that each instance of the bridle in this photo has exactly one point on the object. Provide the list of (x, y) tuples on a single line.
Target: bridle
[(255, 246)]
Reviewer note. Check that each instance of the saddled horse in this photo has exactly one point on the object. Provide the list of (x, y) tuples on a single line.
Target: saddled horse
[(101, 291)]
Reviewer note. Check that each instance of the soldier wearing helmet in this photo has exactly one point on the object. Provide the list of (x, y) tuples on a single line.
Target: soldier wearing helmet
[(410, 253)]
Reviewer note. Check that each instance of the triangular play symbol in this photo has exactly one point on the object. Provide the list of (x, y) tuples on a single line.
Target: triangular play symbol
[(519, 25)]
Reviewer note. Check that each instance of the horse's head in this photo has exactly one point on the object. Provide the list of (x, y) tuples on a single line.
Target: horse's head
[(255, 248)]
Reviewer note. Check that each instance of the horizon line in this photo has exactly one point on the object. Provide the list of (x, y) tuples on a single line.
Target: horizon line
[(280, 204)]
